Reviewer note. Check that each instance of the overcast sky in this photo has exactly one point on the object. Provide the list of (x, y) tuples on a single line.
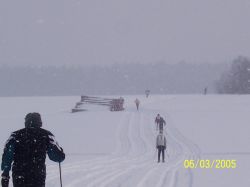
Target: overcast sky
[(61, 32)]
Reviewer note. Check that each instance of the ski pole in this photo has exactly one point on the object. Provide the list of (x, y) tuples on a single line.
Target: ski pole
[(60, 171), (167, 154)]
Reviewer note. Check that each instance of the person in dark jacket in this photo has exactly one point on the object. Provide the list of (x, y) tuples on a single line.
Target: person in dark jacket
[(137, 103), (160, 122), (26, 150)]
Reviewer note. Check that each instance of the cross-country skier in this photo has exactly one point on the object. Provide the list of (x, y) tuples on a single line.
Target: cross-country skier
[(161, 146), (147, 93), (26, 149), (137, 102), (160, 122), (157, 119)]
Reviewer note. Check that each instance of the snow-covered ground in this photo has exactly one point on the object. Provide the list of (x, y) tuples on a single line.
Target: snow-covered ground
[(117, 149)]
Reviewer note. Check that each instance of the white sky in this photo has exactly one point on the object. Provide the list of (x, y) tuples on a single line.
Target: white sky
[(109, 31)]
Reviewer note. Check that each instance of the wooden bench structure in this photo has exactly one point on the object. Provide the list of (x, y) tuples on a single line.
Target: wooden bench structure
[(112, 104)]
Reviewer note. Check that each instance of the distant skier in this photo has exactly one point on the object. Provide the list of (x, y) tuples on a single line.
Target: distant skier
[(27, 149), (205, 91), (161, 146), (147, 93), (160, 122), (137, 103), (157, 120)]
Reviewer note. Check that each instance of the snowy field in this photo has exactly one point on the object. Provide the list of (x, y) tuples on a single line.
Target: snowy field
[(117, 149)]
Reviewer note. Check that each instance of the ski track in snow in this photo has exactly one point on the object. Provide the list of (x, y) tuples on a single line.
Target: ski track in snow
[(133, 163)]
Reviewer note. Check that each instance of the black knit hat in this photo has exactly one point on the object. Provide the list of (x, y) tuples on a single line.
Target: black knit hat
[(33, 120)]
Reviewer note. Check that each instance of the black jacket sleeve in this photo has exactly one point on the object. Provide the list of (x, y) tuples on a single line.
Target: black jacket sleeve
[(8, 154), (54, 151)]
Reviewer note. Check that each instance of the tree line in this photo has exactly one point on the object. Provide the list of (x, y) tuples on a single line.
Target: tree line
[(236, 78), (117, 79)]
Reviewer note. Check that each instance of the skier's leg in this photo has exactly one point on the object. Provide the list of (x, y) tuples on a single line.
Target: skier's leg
[(161, 127), (159, 154), (163, 154)]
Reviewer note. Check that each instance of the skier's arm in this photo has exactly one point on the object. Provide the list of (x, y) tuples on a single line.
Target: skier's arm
[(8, 154), (156, 145), (7, 159), (55, 152)]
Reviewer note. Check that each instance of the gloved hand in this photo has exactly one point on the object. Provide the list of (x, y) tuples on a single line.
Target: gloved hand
[(5, 179)]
